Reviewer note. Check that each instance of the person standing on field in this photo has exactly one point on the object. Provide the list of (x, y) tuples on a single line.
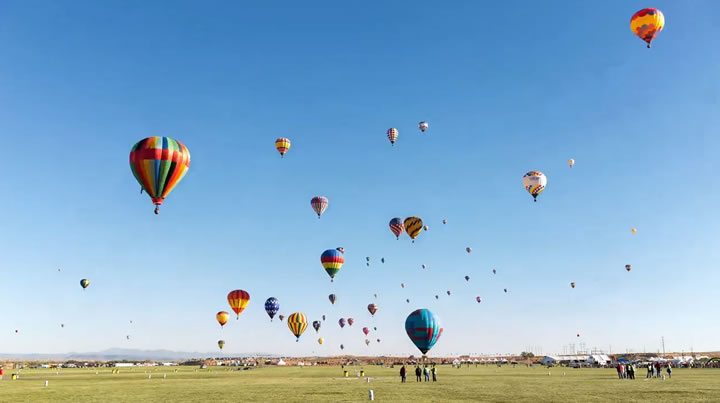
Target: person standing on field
[(434, 373), (417, 373), (650, 371), (426, 371), (669, 370), (402, 374)]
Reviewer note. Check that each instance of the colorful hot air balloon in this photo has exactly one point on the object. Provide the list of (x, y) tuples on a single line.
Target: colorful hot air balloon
[(366, 331), (424, 329), (572, 284), (423, 126), (159, 164), (367, 342), (425, 228), (340, 249), (316, 325), (634, 230), (534, 183), (321, 340), (628, 267), (478, 299), (272, 306), (221, 344), (84, 283), (341, 322), (397, 227), (372, 308), (332, 260), (332, 298), (468, 250), (238, 300), (222, 318), (647, 23), (392, 135), (413, 227), (283, 145), (350, 321), (571, 162), (494, 271), (467, 278), (281, 317), (297, 322), (319, 204)]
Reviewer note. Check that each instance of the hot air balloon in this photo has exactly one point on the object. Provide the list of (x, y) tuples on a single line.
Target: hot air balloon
[(341, 322), (221, 344), (159, 164), (628, 267), (127, 337), (402, 285), (647, 23), (413, 227), (366, 331), (272, 306), (342, 347), (578, 335), (320, 340), (367, 264), (340, 249), (367, 258), (437, 297), (323, 318), (375, 328), (16, 330), (281, 317), (423, 266), (392, 135), (467, 278), (382, 260), (372, 308), (283, 145), (367, 342), (494, 271), (571, 162), (332, 298), (478, 299), (407, 300), (350, 321), (84, 283), (634, 230), (423, 126), (572, 284), (238, 300), (316, 325), (534, 183), (378, 340), (297, 322), (62, 325), (505, 289), (448, 292), (424, 329), (332, 260), (319, 204), (468, 250), (444, 221), (397, 227), (375, 295), (222, 318)]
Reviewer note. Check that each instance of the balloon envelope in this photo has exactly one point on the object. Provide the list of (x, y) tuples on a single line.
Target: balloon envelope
[(319, 204), (350, 321), (372, 308), (424, 329), (297, 323), (413, 226), (282, 145), (332, 260), (222, 318), (316, 325), (159, 164), (238, 300), (534, 182), (366, 331), (397, 227), (341, 322), (85, 283), (272, 306), (221, 344), (332, 298), (647, 23), (423, 126), (392, 134)]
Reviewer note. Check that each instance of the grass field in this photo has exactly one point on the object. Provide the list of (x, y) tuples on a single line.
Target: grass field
[(326, 384)]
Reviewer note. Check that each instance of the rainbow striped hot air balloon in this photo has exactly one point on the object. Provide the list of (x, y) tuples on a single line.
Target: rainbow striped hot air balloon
[(319, 204), (397, 227), (297, 323), (413, 227), (424, 329), (159, 164), (282, 145), (647, 23), (238, 300), (392, 135), (332, 260)]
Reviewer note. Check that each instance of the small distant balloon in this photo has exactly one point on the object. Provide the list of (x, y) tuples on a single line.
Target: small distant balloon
[(316, 325), (321, 340), (572, 284), (342, 347), (373, 308), (423, 126), (634, 230), (319, 204), (478, 299), (281, 317), (392, 135), (402, 285), (127, 337), (350, 321), (628, 267), (323, 317), (578, 335), (425, 228), (341, 322), (221, 344), (378, 340), (222, 318), (647, 23), (448, 292), (84, 283), (332, 298), (282, 145), (366, 330), (62, 325), (494, 271), (534, 182), (468, 250), (444, 221), (367, 342), (467, 278), (505, 289), (571, 162), (407, 300), (423, 266), (437, 297)]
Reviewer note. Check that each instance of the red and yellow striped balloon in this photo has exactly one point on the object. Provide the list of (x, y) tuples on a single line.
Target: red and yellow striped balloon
[(647, 23), (283, 145), (297, 323), (159, 164), (238, 300)]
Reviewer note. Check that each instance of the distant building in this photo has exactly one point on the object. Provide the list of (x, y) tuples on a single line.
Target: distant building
[(124, 364)]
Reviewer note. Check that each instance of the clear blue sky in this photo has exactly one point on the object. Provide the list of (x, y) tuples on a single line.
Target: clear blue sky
[(507, 87)]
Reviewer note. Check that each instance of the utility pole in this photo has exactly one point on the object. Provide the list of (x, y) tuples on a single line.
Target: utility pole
[(663, 344)]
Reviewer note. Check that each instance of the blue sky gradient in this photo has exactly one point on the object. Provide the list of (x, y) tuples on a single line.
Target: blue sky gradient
[(507, 87)]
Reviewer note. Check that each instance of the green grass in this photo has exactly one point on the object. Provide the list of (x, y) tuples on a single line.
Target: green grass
[(326, 384)]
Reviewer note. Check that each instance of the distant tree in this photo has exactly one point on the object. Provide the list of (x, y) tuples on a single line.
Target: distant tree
[(527, 354)]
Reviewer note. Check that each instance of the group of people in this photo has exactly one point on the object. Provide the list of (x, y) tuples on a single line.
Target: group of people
[(627, 370), (419, 373)]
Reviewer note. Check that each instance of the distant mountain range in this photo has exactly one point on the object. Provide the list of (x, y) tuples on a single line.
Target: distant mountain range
[(114, 354)]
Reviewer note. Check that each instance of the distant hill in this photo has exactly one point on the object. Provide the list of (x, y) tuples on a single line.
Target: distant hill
[(115, 354)]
